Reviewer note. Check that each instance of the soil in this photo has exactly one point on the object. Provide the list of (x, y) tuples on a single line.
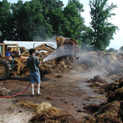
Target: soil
[(73, 93), (67, 92)]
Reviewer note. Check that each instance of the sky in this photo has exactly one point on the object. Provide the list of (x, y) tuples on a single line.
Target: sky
[(117, 20)]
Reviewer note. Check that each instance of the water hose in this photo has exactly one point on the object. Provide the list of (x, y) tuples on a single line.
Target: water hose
[(16, 94)]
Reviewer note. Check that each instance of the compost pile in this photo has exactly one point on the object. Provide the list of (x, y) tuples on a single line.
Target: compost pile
[(99, 83), (46, 113), (111, 63), (54, 119), (73, 59), (110, 111), (63, 67), (64, 63)]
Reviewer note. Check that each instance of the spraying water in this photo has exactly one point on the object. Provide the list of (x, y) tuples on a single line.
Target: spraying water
[(66, 50)]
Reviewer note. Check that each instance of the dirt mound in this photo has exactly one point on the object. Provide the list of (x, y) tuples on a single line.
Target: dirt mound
[(92, 108), (110, 111), (62, 67), (110, 63), (101, 59), (44, 107), (46, 113), (99, 79), (44, 118), (115, 90), (99, 83)]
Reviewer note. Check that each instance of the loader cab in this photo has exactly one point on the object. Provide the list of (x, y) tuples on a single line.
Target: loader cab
[(4, 47)]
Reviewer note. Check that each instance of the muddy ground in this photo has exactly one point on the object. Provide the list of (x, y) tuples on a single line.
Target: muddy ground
[(72, 93), (67, 92)]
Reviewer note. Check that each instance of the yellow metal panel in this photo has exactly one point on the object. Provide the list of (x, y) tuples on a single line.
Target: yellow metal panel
[(3, 51)]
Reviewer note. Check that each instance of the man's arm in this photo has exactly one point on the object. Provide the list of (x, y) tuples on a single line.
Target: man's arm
[(38, 62)]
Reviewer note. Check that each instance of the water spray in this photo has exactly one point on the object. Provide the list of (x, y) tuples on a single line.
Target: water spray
[(66, 50)]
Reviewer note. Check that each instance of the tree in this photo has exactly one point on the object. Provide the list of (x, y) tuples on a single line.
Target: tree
[(53, 16), (121, 49), (112, 50), (40, 19), (5, 15), (73, 23), (102, 30), (27, 19), (34, 19), (78, 5), (86, 39)]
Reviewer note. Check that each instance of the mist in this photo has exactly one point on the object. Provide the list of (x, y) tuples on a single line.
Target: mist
[(66, 50), (101, 63)]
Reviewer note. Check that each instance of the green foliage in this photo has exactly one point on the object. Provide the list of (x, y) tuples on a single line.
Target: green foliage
[(31, 20), (86, 38), (112, 50), (5, 17), (28, 18), (52, 12), (78, 5), (121, 49), (73, 23), (42, 19), (102, 30)]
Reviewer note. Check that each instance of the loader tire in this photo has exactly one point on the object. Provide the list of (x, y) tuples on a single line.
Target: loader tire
[(5, 69)]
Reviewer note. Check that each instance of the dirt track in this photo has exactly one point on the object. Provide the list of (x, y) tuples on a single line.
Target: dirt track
[(70, 93)]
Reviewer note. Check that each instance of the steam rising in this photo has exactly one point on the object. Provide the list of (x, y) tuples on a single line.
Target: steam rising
[(102, 63), (92, 62)]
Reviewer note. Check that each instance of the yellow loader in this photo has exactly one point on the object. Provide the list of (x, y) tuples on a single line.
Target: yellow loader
[(6, 69)]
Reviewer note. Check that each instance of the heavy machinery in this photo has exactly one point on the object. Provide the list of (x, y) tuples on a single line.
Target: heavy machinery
[(6, 69)]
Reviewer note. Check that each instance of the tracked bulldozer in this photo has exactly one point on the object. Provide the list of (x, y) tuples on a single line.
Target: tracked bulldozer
[(6, 69)]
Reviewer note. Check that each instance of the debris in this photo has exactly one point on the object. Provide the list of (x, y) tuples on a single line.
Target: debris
[(110, 111)]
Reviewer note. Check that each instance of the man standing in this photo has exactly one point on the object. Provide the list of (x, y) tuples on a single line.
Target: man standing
[(33, 64)]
